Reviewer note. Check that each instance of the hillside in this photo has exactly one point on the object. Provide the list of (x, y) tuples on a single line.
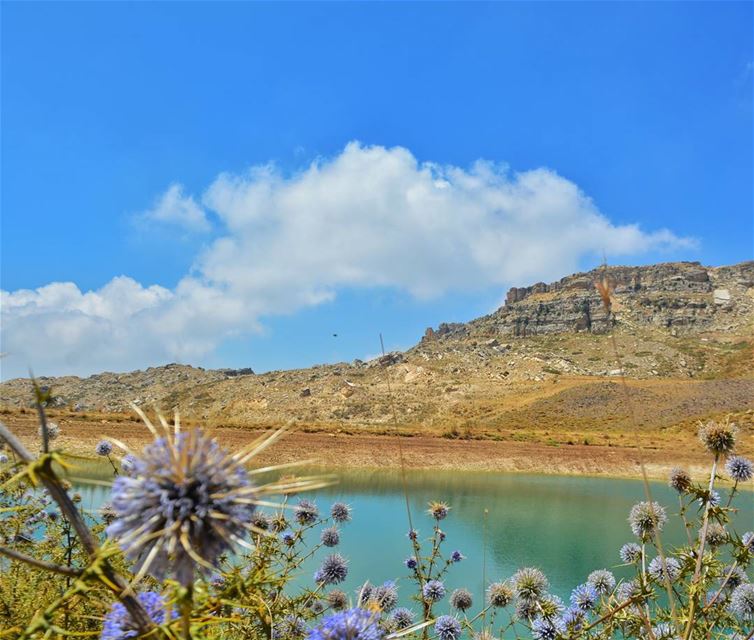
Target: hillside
[(542, 368)]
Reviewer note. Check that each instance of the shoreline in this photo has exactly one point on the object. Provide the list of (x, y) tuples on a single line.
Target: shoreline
[(371, 451)]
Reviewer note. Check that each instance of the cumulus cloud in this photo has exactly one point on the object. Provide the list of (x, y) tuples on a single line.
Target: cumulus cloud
[(371, 216), (176, 209)]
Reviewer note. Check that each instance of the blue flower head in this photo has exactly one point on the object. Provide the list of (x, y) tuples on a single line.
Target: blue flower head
[(333, 570), (456, 556), (447, 628), (584, 597), (118, 624), (354, 624), (411, 563), (433, 591)]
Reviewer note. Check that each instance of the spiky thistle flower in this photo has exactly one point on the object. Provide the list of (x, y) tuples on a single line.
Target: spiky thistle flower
[(385, 596), (461, 599), (630, 553), (354, 624), (670, 572), (340, 512), (739, 468), (574, 618), (735, 576), (602, 580), (547, 628), (103, 448), (438, 510), (290, 628), (647, 518), (402, 618), (330, 537), (584, 597), (411, 563), (680, 480), (456, 556), (447, 628), (337, 599), (333, 570), (118, 623), (719, 438), (717, 534), (306, 512), (747, 539), (742, 602), (128, 464), (499, 594), (433, 591), (529, 583), (53, 431), (187, 501)]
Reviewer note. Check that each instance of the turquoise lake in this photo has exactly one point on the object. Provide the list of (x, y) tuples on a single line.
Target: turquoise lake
[(566, 526)]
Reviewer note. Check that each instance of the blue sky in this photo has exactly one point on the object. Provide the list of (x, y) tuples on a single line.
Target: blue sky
[(173, 143)]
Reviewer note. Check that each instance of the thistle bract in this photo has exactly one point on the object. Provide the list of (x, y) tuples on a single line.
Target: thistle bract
[(185, 503)]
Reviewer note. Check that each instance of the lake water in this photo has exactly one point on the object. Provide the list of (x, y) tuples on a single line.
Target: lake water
[(566, 526)]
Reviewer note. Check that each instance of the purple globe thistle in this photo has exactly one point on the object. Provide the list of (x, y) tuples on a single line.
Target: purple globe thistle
[(742, 602), (441, 535), (584, 597), (118, 623), (526, 609), (718, 438), (411, 563), (547, 628), (340, 512), (186, 502), (739, 468), (433, 591), (602, 580), (337, 599), (671, 571), (330, 537), (364, 593), (713, 498), (261, 521), (128, 464), (630, 553), (306, 512), (385, 596), (354, 624), (288, 538), (290, 628), (402, 618), (317, 607), (680, 480), (574, 619), (461, 599), (456, 556), (413, 534), (438, 510), (333, 570), (447, 628), (747, 539), (499, 594), (550, 606), (716, 534), (735, 576), (647, 518), (103, 448), (53, 431), (529, 583)]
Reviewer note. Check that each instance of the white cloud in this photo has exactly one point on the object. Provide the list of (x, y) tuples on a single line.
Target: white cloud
[(175, 209), (371, 216)]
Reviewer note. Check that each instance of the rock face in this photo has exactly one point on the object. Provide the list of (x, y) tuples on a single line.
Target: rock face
[(683, 296)]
